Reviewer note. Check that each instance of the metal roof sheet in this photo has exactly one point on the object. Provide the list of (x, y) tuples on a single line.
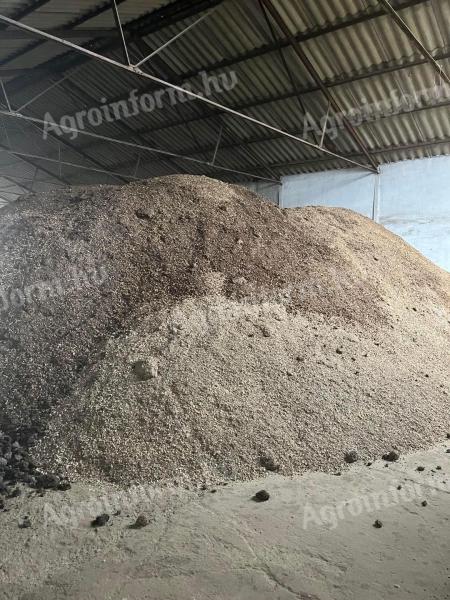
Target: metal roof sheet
[(360, 54)]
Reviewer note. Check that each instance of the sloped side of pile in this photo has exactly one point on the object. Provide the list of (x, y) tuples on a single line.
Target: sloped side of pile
[(84, 273), (227, 389)]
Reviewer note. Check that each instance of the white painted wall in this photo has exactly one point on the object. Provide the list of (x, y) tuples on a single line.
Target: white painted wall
[(351, 188), (264, 188), (414, 200)]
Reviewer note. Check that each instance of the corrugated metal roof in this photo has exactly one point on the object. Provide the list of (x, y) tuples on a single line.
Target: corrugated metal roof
[(366, 62)]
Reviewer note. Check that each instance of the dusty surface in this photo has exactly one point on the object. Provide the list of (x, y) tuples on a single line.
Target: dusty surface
[(205, 332), (313, 540), (238, 384)]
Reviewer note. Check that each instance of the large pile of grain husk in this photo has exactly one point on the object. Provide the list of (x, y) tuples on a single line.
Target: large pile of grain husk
[(188, 330)]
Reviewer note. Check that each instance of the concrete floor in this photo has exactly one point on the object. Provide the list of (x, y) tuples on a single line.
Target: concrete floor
[(313, 540)]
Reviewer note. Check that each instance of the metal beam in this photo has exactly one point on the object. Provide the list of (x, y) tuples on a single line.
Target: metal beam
[(119, 28), (186, 92), (162, 70), (166, 15), (126, 129), (62, 63), (301, 54), (298, 163), (91, 14), (66, 32), (175, 37), (376, 71), (354, 155), (313, 162), (259, 139), (414, 39), (272, 137), (339, 81), (70, 146), (166, 72), (32, 163), (288, 70), (193, 151), (57, 161), (364, 75), (364, 16), (137, 146)]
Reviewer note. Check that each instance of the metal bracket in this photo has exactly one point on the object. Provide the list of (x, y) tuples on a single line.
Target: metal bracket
[(175, 37), (6, 95), (325, 125), (119, 27), (219, 137)]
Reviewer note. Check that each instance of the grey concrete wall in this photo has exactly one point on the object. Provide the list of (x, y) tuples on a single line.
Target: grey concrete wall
[(414, 200)]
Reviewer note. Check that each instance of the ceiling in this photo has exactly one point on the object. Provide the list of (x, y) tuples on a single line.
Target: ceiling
[(358, 59)]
